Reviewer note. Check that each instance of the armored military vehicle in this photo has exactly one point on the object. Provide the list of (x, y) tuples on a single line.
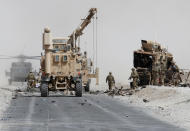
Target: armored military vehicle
[(20, 69), (63, 65), (154, 64)]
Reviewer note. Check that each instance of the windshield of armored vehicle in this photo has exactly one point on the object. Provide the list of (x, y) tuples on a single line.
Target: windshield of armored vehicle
[(62, 47)]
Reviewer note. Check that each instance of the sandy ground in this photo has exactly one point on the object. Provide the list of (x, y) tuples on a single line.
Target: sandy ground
[(165, 103), (7, 93)]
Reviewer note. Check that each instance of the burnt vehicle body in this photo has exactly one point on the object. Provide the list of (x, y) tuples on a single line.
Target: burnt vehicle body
[(150, 56)]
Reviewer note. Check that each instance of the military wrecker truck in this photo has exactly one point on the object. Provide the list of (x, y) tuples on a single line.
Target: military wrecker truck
[(150, 57), (63, 66)]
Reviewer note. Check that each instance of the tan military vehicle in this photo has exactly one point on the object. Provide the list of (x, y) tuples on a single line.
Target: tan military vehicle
[(154, 64), (63, 66)]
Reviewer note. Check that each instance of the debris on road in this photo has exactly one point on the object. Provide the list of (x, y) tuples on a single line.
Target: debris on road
[(82, 103), (53, 101), (7, 93), (96, 92), (145, 100), (121, 91), (161, 108)]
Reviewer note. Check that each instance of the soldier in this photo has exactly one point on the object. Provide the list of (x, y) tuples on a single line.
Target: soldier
[(111, 81), (30, 76), (169, 76), (176, 78), (31, 80), (155, 74), (162, 73), (135, 77), (175, 74), (84, 61)]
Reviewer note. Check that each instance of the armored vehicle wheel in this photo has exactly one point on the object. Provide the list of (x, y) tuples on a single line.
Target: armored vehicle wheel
[(78, 92), (87, 87), (44, 90), (131, 85)]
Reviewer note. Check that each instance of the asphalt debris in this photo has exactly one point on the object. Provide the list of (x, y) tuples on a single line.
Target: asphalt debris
[(53, 101), (96, 92), (82, 103), (120, 91), (145, 101), (161, 108), (18, 90)]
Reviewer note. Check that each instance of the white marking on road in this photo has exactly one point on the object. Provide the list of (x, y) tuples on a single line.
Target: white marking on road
[(31, 109)]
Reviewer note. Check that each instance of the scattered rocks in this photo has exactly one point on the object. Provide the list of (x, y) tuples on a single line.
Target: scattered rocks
[(145, 101), (13, 97), (120, 91), (53, 101), (161, 108), (18, 90), (82, 103), (95, 92)]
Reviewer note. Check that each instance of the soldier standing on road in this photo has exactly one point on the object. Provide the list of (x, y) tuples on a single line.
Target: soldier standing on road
[(162, 73), (176, 78), (111, 81), (31, 80), (135, 77), (156, 70), (30, 76)]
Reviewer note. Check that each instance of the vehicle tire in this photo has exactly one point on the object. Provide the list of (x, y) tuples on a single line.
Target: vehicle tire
[(44, 90), (78, 92), (87, 87), (131, 85)]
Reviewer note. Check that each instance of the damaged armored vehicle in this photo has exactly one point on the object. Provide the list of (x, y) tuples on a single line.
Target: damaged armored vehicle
[(155, 65)]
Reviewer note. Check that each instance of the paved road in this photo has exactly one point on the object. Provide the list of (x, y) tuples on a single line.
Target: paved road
[(88, 113)]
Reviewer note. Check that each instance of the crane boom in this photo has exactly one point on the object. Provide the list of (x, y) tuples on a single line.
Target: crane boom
[(79, 30)]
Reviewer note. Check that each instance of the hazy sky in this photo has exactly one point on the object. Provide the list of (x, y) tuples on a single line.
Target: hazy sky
[(121, 26)]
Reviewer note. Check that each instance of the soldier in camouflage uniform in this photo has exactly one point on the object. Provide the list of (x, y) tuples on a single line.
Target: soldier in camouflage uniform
[(162, 73), (111, 81), (176, 78), (155, 74), (31, 80), (135, 77)]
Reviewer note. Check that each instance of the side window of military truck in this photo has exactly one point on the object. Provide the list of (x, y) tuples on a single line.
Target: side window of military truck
[(57, 58)]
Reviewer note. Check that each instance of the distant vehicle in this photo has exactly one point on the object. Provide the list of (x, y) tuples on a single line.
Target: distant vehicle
[(19, 70)]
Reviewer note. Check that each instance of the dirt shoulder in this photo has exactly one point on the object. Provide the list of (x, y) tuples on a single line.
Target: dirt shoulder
[(171, 104)]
